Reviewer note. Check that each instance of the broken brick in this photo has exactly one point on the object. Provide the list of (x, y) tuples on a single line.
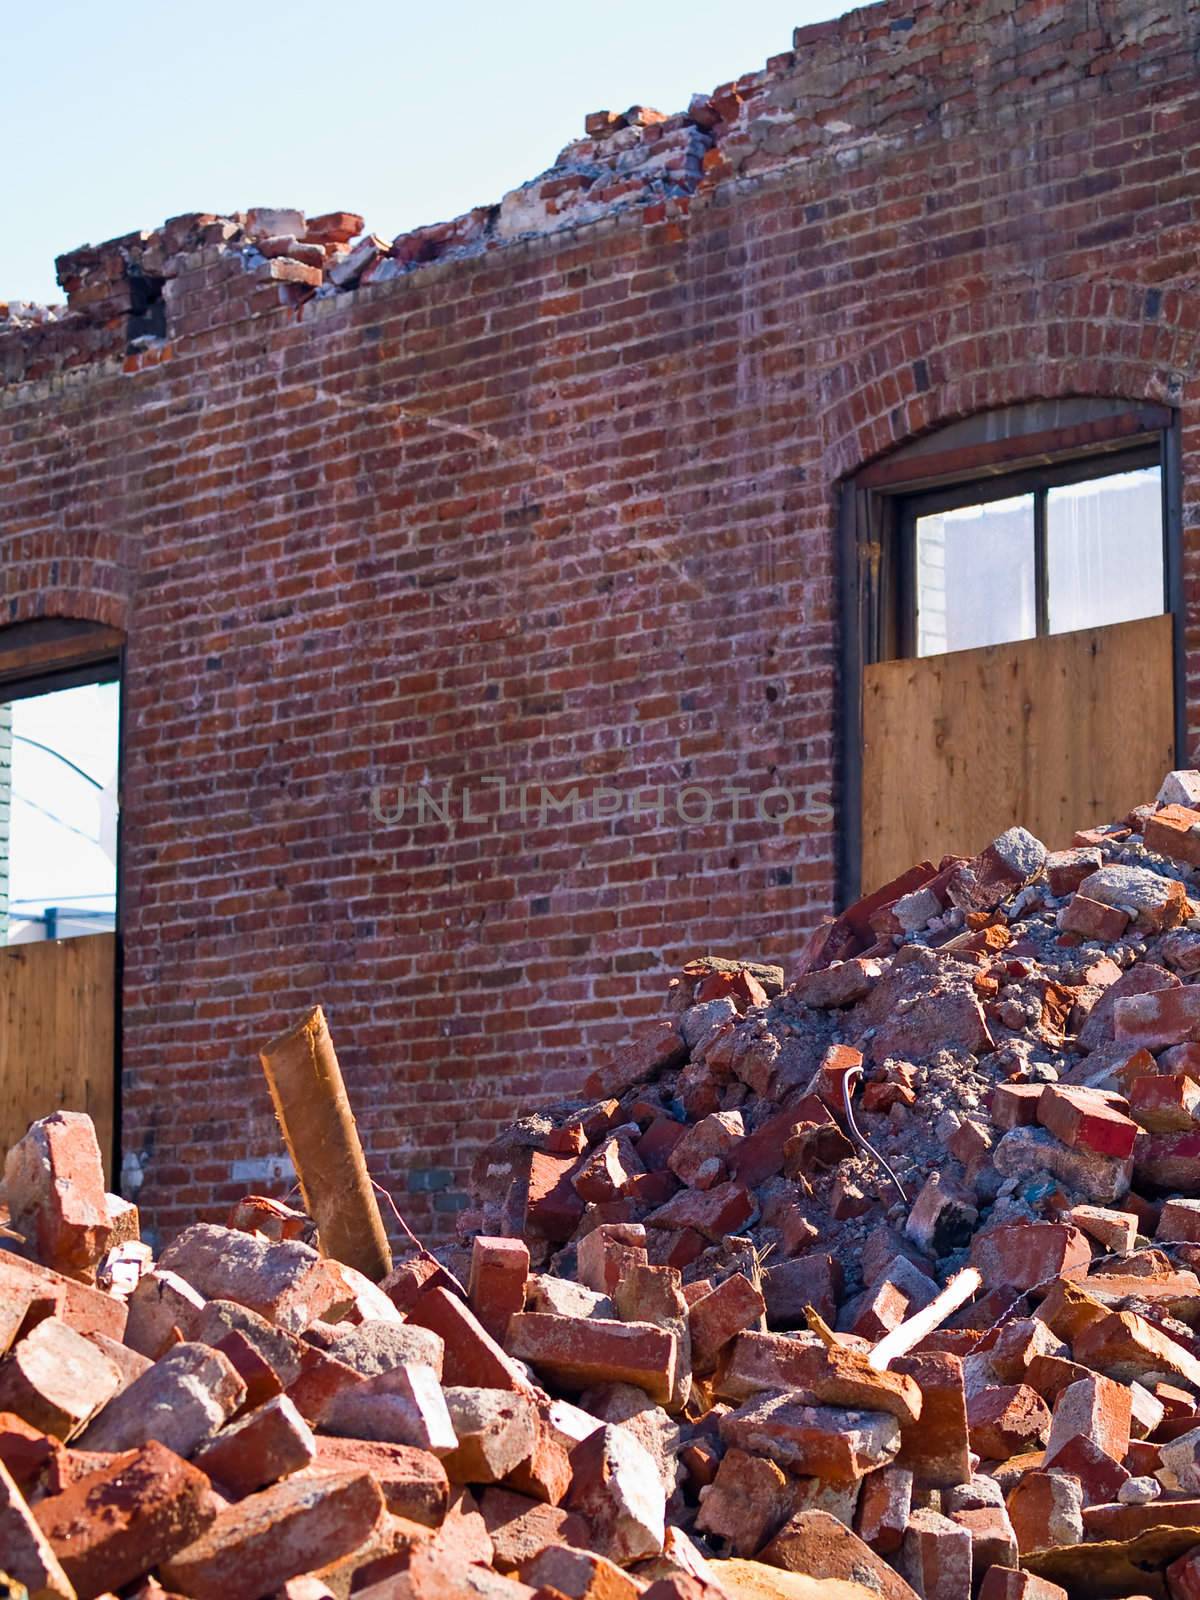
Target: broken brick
[(112, 1526), (496, 1288), (577, 1352), (292, 1528)]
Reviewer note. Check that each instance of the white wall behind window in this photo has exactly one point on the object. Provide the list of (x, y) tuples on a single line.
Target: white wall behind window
[(56, 854)]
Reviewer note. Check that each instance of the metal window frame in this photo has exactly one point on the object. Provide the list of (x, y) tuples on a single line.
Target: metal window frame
[(989, 455), (1035, 482)]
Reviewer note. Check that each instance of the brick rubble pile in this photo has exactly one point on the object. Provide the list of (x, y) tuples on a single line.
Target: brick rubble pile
[(888, 1275)]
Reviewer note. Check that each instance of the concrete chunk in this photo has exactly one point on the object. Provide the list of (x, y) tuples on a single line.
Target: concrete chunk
[(616, 1486), (285, 1282)]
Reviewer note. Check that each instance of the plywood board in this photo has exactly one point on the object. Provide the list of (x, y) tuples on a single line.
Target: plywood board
[(57, 1027), (1055, 734)]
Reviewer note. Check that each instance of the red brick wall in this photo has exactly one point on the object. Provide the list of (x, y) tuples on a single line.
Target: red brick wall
[(558, 510)]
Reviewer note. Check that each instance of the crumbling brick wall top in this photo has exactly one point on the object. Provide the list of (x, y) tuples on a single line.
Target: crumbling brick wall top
[(877, 79)]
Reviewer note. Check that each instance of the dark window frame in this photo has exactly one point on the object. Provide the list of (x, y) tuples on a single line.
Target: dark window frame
[(979, 457), (1035, 481)]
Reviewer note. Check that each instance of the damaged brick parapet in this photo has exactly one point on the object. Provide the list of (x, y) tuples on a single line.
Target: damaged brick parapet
[(864, 84)]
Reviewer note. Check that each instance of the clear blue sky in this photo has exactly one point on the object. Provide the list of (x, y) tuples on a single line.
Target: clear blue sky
[(115, 117)]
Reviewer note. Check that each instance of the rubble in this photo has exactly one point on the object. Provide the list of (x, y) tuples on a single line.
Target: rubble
[(887, 1274)]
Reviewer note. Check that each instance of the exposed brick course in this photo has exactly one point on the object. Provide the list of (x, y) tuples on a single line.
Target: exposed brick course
[(548, 493)]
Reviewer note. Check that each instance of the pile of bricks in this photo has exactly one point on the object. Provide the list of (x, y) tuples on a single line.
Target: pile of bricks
[(888, 1275), (919, 1232)]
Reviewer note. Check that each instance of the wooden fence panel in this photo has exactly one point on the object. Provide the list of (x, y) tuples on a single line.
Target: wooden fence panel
[(1055, 734), (57, 1034)]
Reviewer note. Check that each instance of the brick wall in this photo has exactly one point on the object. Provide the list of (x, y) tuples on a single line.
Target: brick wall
[(546, 495)]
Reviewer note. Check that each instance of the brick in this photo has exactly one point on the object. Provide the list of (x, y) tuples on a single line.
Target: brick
[(792, 1286), (293, 1528), (472, 1357), (1168, 1102), (1095, 1408), (607, 1172), (579, 1575), (1009, 1583), (496, 1430), (1091, 919), (1082, 1117), (403, 1405), (816, 1541), (716, 1318), (815, 1374), (28, 1557), (1017, 1345), (163, 1309), (280, 1354), (259, 1448), (1100, 1477), (55, 1379), (656, 1047), (181, 1401), (746, 1504), (714, 1138), (1179, 1221), (54, 1182), (413, 1482), (936, 1448), (496, 1288), (1046, 1511), (26, 1452), (607, 1252), (936, 1557), (884, 1504), (1183, 1577), (1114, 1231), (616, 1487), (114, 1525), (24, 1301), (993, 1541), (1169, 1161), (1180, 1458), (1023, 1255), (715, 1213), (522, 1529), (1007, 1420), (578, 1353), (1155, 903), (1124, 1346), (545, 1474), (942, 1217), (831, 1443), (1169, 832), (1066, 869), (1015, 1105), (1163, 1017)]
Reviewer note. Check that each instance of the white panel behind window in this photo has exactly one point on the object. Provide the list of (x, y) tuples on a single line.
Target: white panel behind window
[(975, 576), (1104, 550)]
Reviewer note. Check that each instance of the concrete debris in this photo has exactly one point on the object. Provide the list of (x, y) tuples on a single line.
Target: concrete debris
[(692, 1330)]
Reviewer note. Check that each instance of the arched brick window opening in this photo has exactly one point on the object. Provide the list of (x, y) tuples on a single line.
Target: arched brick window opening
[(1002, 578)]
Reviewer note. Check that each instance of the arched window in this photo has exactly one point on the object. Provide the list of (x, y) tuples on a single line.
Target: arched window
[(1030, 523)]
